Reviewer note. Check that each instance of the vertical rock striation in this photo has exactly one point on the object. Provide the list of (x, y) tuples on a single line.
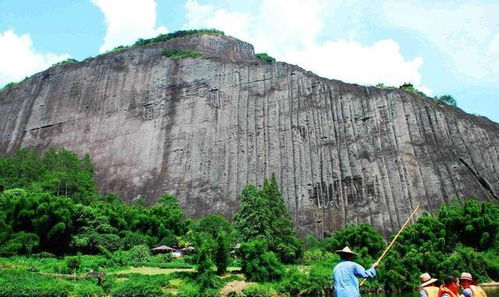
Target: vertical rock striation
[(204, 128)]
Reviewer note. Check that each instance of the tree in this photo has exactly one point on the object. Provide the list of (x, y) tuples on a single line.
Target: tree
[(217, 230), (447, 99), (264, 216)]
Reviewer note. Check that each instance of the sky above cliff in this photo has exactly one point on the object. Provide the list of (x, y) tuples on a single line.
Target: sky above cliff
[(442, 47)]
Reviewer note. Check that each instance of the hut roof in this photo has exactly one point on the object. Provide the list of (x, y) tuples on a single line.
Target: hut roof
[(163, 248)]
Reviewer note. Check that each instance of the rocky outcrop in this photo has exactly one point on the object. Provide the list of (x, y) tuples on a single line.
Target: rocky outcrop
[(203, 128)]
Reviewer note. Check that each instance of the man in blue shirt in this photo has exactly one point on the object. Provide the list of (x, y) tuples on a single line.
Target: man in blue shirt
[(346, 272)]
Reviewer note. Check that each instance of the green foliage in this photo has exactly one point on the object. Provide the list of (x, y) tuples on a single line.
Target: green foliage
[(140, 287), (48, 202), (9, 85), (180, 54), (205, 278), (259, 290), (257, 263), (363, 239), (65, 62), (263, 216), (447, 99), (410, 88), (73, 263), (448, 243), (117, 49), (14, 283), (177, 34), (139, 253), (220, 233), (87, 289), (264, 57)]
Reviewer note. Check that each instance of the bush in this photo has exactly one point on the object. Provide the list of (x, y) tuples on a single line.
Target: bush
[(65, 62), (9, 85), (264, 57), (139, 253), (410, 88), (177, 34), (180, 54), (73, 263), (294, 282), (259, 290), (258, 264), (447, 99), (117, 49)]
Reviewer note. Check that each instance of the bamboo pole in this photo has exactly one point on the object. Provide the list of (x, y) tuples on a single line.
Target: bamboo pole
[(393, 240)]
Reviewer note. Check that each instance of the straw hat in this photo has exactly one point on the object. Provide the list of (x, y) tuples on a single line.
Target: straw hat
[(466, 276), (426, 279), (345, 250)]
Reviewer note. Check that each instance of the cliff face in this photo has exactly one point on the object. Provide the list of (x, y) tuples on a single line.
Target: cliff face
[(203, 128)]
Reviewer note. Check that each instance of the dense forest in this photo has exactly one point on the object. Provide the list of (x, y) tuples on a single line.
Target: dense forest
[(57, 232)]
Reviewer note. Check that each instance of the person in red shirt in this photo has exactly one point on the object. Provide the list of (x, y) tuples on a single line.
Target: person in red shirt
[(450, 287)]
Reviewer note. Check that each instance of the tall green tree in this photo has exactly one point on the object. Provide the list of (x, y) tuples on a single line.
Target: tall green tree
[(264, 216)]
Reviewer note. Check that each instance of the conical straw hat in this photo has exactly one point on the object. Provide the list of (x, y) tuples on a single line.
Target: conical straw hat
[(426, 279), (345, 250)]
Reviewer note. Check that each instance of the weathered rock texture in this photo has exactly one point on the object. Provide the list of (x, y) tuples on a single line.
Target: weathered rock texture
[(203, 128)]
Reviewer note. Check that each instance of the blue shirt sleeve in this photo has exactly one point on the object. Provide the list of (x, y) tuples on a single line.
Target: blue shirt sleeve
[(422, 293), (359, 271), (467, 292)]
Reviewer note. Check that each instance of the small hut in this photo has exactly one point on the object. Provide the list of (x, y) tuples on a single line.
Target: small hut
[(162, 250)]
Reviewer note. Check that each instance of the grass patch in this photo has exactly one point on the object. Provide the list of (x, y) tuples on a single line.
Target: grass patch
[(152, 270), (180, 54)]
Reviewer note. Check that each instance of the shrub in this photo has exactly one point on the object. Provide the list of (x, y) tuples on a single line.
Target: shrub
[(139, 253), (180, 54), (259, 290), (73, 263), (447, 99), (65, 62), (294, 282), (258, 264), (177, 34), (9, 85), (119, 48), (264, 57), (410, 88)]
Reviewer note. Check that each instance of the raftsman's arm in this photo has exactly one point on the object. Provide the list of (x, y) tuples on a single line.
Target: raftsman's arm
[(359, 271)]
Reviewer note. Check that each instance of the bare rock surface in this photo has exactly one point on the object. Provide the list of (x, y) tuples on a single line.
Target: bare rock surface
[(204, 128)]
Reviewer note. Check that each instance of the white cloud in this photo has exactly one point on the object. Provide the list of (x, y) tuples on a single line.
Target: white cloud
[(127, 21), (467, 33), (353, 62), (19, 59), (289, 30)]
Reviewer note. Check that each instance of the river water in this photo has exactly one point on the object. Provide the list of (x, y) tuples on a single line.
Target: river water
[(491, 292)]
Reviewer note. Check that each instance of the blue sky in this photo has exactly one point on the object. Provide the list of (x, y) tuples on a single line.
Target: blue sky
[(442, 47)]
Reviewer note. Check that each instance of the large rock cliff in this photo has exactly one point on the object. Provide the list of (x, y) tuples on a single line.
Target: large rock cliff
[(202, 128)]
